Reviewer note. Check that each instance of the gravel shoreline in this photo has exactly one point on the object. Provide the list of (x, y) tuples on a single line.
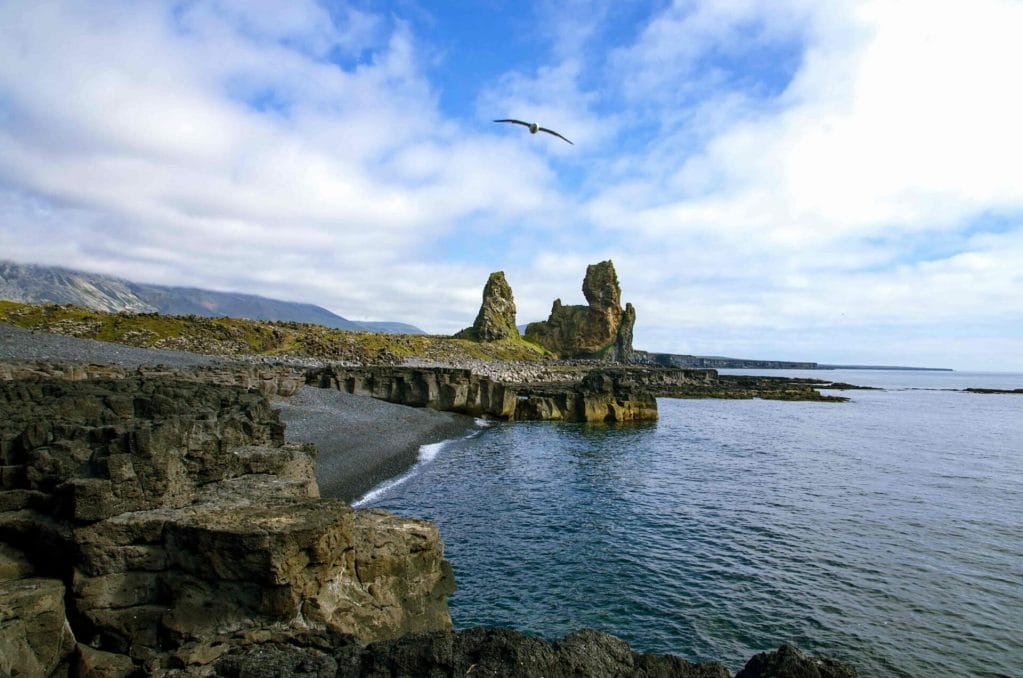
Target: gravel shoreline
[(361, 442)]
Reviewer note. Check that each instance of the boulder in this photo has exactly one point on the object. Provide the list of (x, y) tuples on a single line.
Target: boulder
[(602, 329), (496, 319), (256, 557)]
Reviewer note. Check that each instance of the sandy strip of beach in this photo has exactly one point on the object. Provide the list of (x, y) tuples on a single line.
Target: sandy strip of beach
[(361, 442)]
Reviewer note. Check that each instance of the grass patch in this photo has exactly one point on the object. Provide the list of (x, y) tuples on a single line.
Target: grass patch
[(239, 336)]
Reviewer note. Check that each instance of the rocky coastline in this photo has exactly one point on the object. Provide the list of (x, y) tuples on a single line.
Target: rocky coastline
[(156, 520)]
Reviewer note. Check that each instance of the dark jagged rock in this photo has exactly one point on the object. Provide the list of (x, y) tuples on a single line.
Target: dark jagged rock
[(841, 385), (439, 388), (471, 652), (601, 329), (716, 362), (789, 662), (743, 387), (603, 395), (499, 652), (496, 319), (503, 652)]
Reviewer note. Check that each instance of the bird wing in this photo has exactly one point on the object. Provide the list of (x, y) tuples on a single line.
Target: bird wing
[(550, 131), (517, 122)]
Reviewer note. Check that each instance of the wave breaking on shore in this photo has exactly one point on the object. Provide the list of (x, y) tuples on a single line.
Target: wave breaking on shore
[(427, 453)]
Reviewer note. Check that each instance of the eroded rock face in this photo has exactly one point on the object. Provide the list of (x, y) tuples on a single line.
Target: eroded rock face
[(180, 517), (601, 329), (496, 319), (153, 582), (603, 395)]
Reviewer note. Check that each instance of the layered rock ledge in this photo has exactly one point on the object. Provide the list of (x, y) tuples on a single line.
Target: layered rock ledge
[(606, 395), (577, 394), (150, 524)]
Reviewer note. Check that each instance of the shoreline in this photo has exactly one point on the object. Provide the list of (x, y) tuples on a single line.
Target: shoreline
[(361, 442), (252, 495)]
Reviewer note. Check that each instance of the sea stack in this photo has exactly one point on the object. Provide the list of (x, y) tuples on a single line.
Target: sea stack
[(602, 329), (496, 319)]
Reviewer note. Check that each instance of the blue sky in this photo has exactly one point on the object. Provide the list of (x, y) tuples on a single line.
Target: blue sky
[(802, 180)]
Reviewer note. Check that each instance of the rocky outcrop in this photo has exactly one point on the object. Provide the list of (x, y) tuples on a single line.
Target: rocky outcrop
[(574, 394), (496, 319), (600, 395), (745, 387), (623, 340), (439, 388), (151, 522), (602, 329)]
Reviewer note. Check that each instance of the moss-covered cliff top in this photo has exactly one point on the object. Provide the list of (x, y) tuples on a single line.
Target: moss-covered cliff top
[(238, 336)]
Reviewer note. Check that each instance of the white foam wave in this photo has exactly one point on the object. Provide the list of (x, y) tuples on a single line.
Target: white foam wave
[(382, 487), (427, 453)]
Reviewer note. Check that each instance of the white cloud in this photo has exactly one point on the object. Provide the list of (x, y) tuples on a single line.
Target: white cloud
[(914, 128), (668, 62), (775, 175), (217, 146), (898, 132)]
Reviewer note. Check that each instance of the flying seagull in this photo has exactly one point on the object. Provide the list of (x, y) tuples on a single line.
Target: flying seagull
[(534, 128)]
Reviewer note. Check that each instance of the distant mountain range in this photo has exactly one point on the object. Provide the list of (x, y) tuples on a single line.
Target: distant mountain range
[(29, 283)]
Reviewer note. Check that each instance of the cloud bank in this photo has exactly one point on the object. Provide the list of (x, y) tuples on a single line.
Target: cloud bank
[(795, 180)]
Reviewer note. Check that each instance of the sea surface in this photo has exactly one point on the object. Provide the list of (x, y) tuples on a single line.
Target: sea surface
[(886, 531)]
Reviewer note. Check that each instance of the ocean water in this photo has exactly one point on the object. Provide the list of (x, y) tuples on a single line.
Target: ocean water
[(886, 531)]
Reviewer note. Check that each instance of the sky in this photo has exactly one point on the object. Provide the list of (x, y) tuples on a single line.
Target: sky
[(834, 181)]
